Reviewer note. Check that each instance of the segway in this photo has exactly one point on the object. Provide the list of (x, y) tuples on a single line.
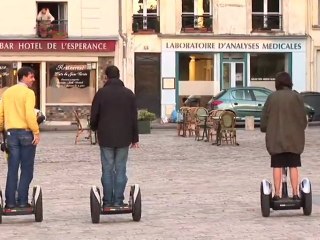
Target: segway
[(133, 207), (285, 202), (35, 208)]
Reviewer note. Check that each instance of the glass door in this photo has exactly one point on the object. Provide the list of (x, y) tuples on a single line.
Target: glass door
[(233, 75), (227, 76)]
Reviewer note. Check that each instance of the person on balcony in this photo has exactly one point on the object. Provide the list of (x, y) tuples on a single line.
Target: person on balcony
[(45, 15), (44, 20)]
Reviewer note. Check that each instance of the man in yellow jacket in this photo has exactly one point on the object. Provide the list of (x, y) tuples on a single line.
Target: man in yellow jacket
[(18, 120)]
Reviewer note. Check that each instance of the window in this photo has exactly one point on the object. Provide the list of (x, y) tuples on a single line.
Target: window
[(196, 14), (242, 94), (70, 82), (266, 15), (265, 66), (318, 23), (195, 67), (145, 16), (260, 95), (8, 75), (52, 19)]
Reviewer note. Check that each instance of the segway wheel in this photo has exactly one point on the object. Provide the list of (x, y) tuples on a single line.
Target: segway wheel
[(1, 206), (265, 203), (136, 201), (38, 206), (307, 202), (94, 207)]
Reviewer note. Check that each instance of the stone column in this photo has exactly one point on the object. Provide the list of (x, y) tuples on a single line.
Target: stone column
[(192, 68)]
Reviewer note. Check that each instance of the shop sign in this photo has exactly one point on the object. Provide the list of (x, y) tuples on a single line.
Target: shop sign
[(4, 70), (57, 45), (235, 46), (4, 75), (71, 75)]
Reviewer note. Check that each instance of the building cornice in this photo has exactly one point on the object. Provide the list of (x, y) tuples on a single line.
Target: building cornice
[(11, 37), (230, 36)]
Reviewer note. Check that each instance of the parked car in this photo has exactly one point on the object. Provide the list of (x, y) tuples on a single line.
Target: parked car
[(246, 101), (313, 99)]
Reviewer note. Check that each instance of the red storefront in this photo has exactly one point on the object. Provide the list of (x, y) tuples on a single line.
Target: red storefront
[(68, 72)]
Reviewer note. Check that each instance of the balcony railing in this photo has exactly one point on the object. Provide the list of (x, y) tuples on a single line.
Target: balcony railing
[(150, 23), (191, 22), (261, 22), (55, 29)]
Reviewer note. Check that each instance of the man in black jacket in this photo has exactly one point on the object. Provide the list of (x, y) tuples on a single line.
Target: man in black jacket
[(114, 117)]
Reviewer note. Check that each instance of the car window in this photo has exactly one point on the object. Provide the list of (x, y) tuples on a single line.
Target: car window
[(260, 95), (312, 100), (241, 94)]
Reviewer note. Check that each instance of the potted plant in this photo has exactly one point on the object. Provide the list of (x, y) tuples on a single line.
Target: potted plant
[(144, 119)]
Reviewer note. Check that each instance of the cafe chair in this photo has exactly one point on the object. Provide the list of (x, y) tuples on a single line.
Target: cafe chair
[(228, 132), (83, 128), (201, 123)]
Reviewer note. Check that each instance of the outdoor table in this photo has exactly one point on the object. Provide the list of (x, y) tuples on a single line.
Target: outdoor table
[(218, 140), (205, 132)]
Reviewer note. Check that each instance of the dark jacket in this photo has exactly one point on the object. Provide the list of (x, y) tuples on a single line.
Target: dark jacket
[(284, 121), (114, 115)]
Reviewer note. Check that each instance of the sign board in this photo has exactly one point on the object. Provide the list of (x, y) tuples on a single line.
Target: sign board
[(70, 75), (57, 45)]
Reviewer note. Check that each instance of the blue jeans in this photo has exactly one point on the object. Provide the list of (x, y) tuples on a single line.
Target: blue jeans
[(21, 154), (114, 178)]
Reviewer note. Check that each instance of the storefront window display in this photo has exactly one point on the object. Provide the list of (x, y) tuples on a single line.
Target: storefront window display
[(265, 66), (70, 82), (8, 75), (195, 67)]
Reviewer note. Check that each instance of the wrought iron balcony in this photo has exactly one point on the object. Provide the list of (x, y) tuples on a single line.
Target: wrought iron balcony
[(261, 22), (196, 23), (150, 23), (55, 29)]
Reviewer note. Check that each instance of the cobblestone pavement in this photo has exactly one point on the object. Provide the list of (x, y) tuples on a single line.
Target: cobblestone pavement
[(190, 190)]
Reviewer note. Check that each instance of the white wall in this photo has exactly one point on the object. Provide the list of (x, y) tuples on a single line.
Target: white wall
[(94, 18), (196, 87)]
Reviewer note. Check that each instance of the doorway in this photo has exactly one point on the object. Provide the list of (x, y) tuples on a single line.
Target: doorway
[(36, 84), (233, 75), (147, 81)]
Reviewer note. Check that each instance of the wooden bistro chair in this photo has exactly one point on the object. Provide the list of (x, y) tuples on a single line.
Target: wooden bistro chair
[(228, 133), (213, 123), (201, 123), (182, 122), (83, 127)]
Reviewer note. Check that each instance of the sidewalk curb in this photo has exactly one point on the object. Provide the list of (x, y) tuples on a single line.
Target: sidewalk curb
[(154, 125), (73, 127)]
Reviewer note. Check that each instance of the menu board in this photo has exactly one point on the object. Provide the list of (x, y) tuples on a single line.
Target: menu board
[(71, 75), (4, 75)]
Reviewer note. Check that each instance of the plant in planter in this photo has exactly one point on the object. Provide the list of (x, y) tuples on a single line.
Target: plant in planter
[(144, 119)]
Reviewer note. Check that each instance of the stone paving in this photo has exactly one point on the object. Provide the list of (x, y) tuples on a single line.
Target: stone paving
[(190, 190)]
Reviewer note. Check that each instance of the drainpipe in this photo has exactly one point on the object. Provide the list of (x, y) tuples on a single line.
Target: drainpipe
[(312, 76), (124, 44)]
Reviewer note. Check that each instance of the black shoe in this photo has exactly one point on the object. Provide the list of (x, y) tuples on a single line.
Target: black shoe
[(121, 205), (276, 198), (107, 205), (295, 197), (8, 206), (27, 205)]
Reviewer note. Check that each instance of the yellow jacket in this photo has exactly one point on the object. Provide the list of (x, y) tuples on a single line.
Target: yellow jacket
[(17, 109)]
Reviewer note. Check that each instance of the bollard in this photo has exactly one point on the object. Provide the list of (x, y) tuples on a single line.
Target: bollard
[(249, 123)]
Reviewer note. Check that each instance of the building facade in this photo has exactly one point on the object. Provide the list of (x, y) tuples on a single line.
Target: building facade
[(68, 44), (314, 43), (198, 47)]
